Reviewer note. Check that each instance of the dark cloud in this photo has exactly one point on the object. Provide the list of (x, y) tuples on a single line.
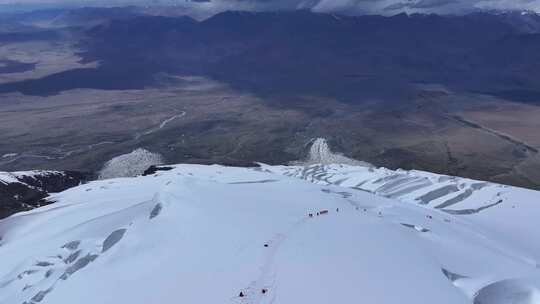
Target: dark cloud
[(377, 6), (339, 6), (424, 6), (420, 5)]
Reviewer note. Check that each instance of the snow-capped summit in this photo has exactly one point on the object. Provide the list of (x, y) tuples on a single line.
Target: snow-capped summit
[(276, 234)]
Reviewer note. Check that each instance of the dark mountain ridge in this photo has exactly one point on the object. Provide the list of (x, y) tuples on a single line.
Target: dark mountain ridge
[(28, 190), (353, 58)]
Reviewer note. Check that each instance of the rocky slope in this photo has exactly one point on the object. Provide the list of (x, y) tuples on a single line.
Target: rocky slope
[(26, 190)]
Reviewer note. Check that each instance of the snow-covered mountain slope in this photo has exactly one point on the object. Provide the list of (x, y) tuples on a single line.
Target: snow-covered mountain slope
[(20, 176), (510, 212), (209, 234), (320, 154), (25, 190), (451, 194)]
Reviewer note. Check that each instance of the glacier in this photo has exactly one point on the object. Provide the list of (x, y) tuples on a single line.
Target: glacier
[(313, 233)]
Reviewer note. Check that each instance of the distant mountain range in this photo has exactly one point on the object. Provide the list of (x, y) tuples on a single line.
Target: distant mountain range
[(302, 52)]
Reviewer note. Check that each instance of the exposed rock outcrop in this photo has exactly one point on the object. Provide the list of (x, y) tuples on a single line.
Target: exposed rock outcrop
[(22, 191)]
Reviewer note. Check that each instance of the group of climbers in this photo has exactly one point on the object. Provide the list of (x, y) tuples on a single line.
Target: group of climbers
[(322, 212), (266, 245), (242, 294)]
